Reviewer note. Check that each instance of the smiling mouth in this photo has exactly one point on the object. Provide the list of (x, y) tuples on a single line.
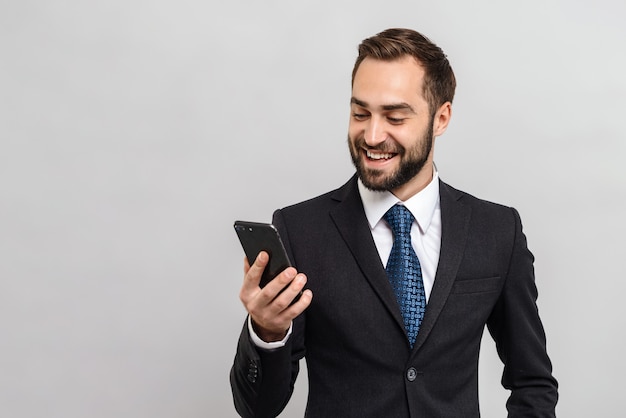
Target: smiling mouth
[(379, 155)]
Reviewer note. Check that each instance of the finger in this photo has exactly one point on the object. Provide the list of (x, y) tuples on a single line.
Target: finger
[(254, 272), (266, 302), (289, 293), (292, 311), (252, 277), (278, 283)]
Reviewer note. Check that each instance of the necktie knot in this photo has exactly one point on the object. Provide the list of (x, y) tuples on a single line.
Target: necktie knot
[(400, 220)]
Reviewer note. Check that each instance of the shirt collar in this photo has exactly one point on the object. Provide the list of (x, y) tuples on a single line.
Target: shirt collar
[(422, 205)]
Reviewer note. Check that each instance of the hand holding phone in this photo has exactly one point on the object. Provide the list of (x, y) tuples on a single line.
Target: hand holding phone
[(268, 324)]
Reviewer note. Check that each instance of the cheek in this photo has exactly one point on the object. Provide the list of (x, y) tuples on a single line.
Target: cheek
[(354, 130), (408, 136), (400, 135)]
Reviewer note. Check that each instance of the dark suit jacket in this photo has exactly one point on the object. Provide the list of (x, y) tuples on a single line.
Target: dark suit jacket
[(358, 357)]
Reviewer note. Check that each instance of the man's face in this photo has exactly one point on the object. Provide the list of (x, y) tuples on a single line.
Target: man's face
[(391, 131)]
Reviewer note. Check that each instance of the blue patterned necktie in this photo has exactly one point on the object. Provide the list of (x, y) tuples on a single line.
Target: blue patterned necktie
[(404, 271)]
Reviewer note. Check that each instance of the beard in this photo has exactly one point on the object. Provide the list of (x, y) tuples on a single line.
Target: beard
[(412, 161)]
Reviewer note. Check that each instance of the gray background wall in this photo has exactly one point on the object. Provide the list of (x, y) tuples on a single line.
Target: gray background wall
[(133, 133)]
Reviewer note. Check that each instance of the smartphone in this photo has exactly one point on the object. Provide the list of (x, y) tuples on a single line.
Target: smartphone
[(256, 237)]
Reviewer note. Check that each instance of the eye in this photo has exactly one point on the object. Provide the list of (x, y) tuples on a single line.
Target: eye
[(395, 121), (360, 116)]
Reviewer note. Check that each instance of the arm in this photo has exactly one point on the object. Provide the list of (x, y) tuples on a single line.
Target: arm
[(520, 339), (262, 380)]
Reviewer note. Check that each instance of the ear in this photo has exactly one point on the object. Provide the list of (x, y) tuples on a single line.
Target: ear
[(442, 119)]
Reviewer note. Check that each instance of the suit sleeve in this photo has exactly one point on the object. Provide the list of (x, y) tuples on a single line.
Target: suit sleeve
[(520, 338), (262, 381)]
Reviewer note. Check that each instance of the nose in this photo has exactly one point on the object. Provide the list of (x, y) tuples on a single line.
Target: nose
[(374, 132)]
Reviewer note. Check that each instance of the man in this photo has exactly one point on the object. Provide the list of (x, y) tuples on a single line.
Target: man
[(400, 271)]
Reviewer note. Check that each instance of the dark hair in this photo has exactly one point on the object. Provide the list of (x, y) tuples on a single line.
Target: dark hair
[(391, 44)]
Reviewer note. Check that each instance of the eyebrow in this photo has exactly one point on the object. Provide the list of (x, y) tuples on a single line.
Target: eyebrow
[(387, 107)]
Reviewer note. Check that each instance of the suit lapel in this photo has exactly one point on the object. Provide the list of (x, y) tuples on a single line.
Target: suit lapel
[(454, 226), (349, 218)]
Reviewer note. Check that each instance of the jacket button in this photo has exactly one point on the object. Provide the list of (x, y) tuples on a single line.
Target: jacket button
[(411, 374), (253, 372)]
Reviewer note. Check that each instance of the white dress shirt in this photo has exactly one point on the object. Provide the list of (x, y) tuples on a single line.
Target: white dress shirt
[(425, 235), (425, 231)]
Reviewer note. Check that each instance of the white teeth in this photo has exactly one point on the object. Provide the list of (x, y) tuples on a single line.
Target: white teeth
[(373, 156)]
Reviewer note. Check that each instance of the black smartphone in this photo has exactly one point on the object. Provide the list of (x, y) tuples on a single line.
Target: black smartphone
[(256, 237)]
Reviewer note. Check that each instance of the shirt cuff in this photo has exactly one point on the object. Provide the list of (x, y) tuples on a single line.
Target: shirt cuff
[(265, 345)]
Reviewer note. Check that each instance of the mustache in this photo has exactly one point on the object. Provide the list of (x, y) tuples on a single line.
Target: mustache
[(386, 147)]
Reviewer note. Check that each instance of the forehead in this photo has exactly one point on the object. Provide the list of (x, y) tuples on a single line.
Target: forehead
[(384, 82)]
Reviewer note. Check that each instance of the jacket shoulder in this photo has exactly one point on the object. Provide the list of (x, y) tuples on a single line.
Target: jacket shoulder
[(322, 203), (449, 193), (484, 213)]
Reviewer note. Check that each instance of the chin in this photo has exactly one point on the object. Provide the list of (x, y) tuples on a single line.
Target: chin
[(375, 180)]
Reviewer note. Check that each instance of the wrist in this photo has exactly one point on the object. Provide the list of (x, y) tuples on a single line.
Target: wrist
[(258, 342), (266, 335)]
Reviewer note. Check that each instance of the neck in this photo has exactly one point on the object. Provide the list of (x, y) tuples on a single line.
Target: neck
[(416, 184)]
